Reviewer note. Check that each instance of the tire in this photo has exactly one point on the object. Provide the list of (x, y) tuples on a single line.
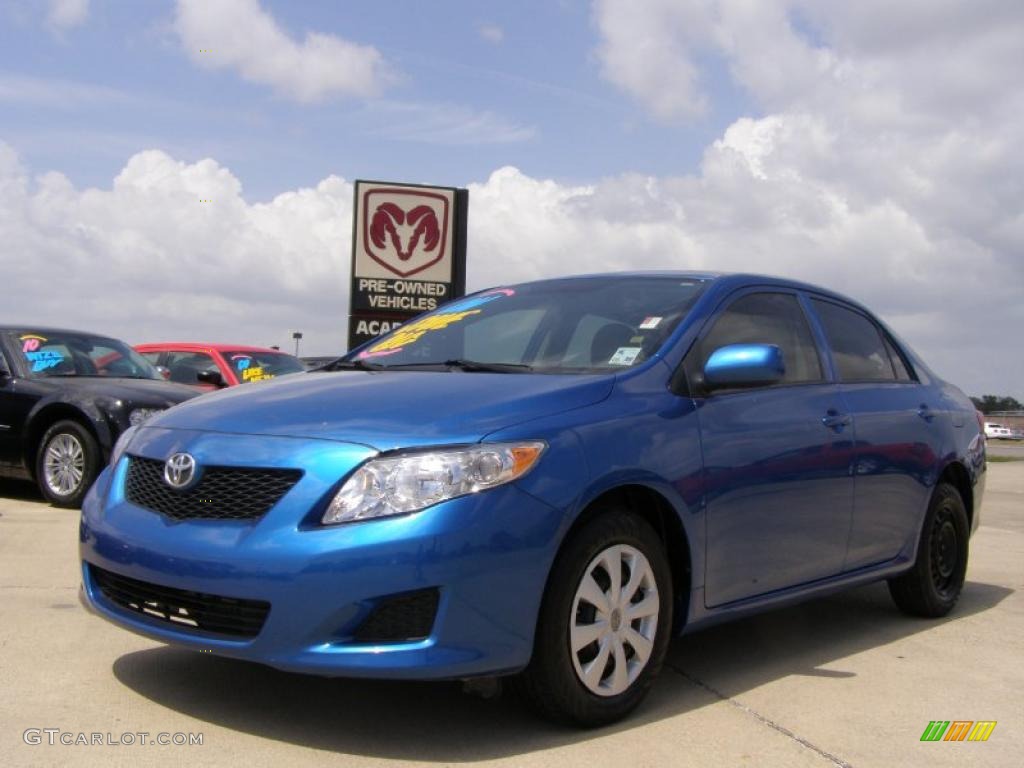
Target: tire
[(932, 587), (67, 463), (555, 683)]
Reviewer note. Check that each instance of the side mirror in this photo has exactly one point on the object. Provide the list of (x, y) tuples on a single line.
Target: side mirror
[(211, 377), (744, 365), (164, 371)]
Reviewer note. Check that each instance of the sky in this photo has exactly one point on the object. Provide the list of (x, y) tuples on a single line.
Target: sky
[(870, 147)]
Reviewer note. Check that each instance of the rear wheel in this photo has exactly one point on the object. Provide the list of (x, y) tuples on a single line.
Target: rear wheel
[(604, 625), (67, 463), (932, 587)]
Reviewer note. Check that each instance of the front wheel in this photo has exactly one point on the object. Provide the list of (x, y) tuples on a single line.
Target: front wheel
[(67, 462), (932, 587), (604, 625)]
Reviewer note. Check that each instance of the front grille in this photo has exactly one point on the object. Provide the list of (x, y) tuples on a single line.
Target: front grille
[(189, 611), (408, 616), (222, 493)]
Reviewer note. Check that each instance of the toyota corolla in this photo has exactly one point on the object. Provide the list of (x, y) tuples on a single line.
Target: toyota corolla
[(547, 482)]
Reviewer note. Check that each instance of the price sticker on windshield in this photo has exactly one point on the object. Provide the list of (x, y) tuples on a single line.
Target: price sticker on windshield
[(625, 356)]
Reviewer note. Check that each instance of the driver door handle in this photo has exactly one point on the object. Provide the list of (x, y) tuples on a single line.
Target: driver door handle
[(835, 420)]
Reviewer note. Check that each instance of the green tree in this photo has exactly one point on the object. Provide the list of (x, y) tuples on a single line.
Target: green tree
[(993, 403)]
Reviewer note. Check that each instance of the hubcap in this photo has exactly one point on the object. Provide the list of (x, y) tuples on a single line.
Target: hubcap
[(945, 552), (64, 464), (614, 620)]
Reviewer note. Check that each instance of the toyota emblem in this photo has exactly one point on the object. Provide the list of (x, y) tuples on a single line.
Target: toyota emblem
[(180, 471)]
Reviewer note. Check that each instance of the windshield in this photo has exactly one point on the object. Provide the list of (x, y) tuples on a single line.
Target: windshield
[(583, 325), (78, 354), (259, 366)]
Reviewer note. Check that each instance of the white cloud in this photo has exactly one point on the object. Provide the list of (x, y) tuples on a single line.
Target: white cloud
[(66, 14), (949, 295), (492, 33), (883, 162), (146, 260), (649, 50), (884, 158), (240, 35)]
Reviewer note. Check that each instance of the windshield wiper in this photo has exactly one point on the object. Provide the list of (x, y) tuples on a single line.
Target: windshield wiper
[(475, 365), (461, 364), (348, 365)]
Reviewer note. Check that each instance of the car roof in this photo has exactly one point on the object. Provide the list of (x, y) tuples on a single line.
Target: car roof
[(56, 331), (722, 280), (185, 346)]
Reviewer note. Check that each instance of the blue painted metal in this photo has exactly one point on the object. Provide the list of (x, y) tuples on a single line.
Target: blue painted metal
[(744, 365), (780, 493)]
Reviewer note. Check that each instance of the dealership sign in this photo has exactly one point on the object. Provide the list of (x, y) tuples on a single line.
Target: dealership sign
[(408, 254)]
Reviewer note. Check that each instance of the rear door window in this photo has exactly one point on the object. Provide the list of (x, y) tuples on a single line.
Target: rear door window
[(857, 346)]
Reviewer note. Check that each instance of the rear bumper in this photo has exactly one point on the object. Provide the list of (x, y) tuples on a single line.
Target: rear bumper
[(488, 555)]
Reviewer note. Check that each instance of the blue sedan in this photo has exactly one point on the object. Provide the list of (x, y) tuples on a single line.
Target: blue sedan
[(545, 481)]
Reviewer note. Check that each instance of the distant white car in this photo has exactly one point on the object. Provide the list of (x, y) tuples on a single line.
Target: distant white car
[(997, 431)]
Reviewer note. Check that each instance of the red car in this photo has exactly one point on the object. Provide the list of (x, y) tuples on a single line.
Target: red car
[(212, 366)]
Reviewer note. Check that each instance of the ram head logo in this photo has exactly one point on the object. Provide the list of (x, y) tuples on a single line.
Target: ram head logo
[(422, 220), (404, 239)]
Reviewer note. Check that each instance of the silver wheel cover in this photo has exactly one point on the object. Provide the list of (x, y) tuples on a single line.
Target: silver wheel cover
[(614, 620), (64, 464)]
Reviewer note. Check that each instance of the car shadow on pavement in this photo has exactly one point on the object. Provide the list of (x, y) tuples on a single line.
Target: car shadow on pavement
[(20, 490), (437, 722)]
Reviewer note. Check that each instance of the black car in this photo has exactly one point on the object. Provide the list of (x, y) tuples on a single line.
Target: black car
[(65, 398)]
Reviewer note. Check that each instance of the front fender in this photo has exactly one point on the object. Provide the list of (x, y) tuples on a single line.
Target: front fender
[(64, 406)]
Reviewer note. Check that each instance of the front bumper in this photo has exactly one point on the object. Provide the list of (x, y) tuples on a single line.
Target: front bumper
[(488, 555)]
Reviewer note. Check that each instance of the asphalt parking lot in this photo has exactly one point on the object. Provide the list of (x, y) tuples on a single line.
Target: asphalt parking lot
[(844, 680)]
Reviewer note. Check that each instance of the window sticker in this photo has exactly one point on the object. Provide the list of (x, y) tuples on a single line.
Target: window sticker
[(625, 356), (241, 362), (44, 359), (41, 359), (411, 332), (30, 342), (461, 305), (650, 323), (255, 373)]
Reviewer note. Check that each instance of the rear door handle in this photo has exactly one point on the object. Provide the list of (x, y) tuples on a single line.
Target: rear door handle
[(835, 420), (925, 412)]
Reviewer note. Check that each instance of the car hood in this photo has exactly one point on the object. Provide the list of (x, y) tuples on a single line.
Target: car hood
[(387, 410), (135, 391)]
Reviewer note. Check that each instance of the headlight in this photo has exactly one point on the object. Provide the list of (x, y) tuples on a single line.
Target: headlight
[(395, 485), (140, 415), (121, 444)]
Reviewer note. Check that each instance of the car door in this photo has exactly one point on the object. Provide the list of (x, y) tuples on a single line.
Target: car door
[(17, 397), (778, 493), (6, 409), (895, 424)]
